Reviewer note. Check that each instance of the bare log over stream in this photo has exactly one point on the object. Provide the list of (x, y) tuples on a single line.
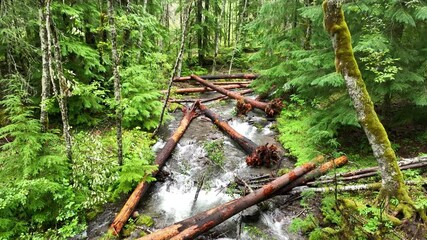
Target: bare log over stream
[(223, 76), (206, 89), (162, 156), (243, 92), (202, 222), (244, 104), (257, 155)]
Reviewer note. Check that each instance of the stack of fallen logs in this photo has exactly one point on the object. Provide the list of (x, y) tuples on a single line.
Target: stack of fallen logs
[(257, 156)]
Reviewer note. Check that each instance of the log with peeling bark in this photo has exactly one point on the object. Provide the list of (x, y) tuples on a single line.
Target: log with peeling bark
[(257, 155), (202, 222), (221, 97), (162, 156), (206, 89), (222, 76), (369, 172), (244, 104), (349, 188), (313, 174)]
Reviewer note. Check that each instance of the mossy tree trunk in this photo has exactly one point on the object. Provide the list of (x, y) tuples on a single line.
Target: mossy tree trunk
[(345, 62)]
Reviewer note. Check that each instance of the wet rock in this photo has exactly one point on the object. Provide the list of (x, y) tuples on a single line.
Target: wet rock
[(251, 214)]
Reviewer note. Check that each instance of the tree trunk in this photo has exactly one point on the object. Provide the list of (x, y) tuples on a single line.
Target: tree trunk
[(238, 34), (244, 104), (177, 67), (221, 76), (117, 84), (161, 158), (217, 32), (63, 85), (199, 22), (202, 222), (392, 179), (257, 155), (44, 119)]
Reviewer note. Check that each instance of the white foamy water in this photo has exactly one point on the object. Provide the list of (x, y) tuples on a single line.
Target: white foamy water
[(243, 128)]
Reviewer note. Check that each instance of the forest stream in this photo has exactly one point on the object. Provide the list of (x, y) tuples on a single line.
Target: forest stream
[(173, 197)]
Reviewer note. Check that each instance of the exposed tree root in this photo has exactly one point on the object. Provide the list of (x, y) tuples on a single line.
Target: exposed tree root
[(264, 156)]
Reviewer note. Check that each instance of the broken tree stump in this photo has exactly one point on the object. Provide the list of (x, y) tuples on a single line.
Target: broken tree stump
[(205, 89), (202, 222), (223, 76), (130, 205), (244, 104), (257, 155)]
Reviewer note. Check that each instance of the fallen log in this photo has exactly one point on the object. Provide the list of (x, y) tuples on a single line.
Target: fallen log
[(315, 173), (349, 188), (222, 76), (257, 155), (410, 163), (130, 205), (205, 89), (202, 222), (244, 104), (246, 91)]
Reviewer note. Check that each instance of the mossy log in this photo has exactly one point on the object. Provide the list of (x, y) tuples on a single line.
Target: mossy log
[(222, 76), (257, 155), (202, 222), (244, 104), (130, 205)]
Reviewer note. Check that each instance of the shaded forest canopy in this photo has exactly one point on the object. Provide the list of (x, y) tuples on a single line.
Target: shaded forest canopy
[(79, 77)]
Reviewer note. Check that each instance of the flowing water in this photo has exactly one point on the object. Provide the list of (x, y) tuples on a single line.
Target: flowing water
[(189, 169)]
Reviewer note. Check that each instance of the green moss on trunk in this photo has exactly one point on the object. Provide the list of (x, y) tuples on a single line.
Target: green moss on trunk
[(345, 62)]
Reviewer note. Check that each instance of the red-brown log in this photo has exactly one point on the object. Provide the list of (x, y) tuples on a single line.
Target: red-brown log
[(244, 104), (246, 91), (206, 89), (223, 76), (257, 155), (130, 205), (202, 222), (319, 171)]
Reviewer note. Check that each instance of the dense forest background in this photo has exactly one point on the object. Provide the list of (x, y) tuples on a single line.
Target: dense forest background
[(59, 100)]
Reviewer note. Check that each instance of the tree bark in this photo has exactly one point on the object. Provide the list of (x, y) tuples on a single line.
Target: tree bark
[(202, 222), (44, 118), (257, 155), (63, 93), (177, 67), (345, 62), (161, 158), (244, 104), (117, 83), (205, 89), (222, 76)]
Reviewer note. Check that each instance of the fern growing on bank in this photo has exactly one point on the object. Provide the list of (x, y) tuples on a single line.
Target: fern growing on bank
[(34, 176)]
